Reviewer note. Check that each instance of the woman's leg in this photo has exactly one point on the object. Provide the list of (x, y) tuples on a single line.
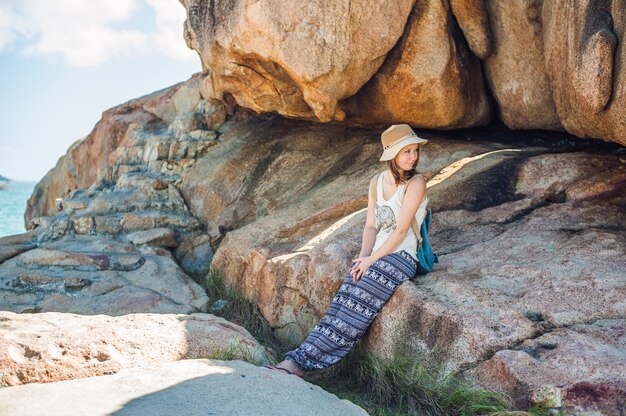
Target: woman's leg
[(351, 312)]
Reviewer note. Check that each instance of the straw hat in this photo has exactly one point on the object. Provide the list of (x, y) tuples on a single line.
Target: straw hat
[(395, 138)]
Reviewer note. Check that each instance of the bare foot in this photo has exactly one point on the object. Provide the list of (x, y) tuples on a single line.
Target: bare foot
[(288, 367)]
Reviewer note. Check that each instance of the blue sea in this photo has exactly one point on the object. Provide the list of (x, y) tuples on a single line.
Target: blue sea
[(12, 206)]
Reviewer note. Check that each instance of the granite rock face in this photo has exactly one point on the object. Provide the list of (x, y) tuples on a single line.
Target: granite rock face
[(531, 240), (584, 59), (582, 366), (120, 239), (296, 59), (135, 134), (422, 85), (515, 70), (97, 275), (547, 65), (53, 346), (128, 190)]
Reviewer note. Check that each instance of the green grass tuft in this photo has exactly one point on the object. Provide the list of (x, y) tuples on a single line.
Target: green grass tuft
[(540, 410), (243, 312), (237, 351), (405, 386)]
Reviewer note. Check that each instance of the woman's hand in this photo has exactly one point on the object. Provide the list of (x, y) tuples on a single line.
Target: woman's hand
[(360, 266), (353, 269)]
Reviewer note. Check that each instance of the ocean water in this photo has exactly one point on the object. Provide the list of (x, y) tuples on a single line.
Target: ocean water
[(12, 206)]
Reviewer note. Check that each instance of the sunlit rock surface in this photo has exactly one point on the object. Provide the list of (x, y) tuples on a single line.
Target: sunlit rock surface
[(297, 59), (530, 235), (426, 85), (548, 65), (54, 346), (189, 387)]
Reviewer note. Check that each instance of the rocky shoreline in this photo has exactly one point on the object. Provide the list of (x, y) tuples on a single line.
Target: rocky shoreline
[(258, 168), (531, 238)]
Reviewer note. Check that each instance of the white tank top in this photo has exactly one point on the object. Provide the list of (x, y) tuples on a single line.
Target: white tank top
[(386, 213)]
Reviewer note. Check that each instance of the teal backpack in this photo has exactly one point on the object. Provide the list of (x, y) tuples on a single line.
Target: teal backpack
[(425, 254)]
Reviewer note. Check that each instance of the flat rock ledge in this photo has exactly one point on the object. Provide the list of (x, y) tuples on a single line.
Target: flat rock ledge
[(94, 274), (53, 346), (186, 387)]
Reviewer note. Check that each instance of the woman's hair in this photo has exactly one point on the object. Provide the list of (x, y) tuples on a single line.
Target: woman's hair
[(408, 174)]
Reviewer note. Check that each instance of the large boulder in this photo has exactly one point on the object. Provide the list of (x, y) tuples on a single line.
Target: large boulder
[(547, 65), (472, 18), (584, 59), (582, 366), (426, 86), (515, 70), (118, 138), (294, 59), (187, 387), (53, 346)]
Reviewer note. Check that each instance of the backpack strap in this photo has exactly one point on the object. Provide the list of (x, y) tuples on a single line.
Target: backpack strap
[(416, 229), (374, 186)]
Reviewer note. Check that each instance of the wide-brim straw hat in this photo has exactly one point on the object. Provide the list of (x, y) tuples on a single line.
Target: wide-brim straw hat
[(395, 138)]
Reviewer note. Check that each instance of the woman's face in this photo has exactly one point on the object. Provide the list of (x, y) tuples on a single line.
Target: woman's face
[(407, 156)]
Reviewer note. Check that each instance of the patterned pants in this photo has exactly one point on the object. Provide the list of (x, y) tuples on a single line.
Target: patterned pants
[(352, 310)]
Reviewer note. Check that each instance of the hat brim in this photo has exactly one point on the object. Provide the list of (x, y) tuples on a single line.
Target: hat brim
[(391, 152)]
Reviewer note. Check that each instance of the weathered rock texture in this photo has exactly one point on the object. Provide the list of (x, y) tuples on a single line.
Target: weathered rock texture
[(530, 234), (95, 275), (12, 245), (128, 136), (515, 70), (426, 86), (585, 63), (582, 365), (548, 64), (293, 58), (47, 347), (121, 230), (128, 189), (187, 387), (531, 240)]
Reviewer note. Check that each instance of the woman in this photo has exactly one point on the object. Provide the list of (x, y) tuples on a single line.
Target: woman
[(387, 258)]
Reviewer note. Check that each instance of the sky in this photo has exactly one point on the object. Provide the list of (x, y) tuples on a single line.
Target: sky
[(64, 62)]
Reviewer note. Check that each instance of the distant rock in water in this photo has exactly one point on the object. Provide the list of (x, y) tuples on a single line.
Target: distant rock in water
[(3, 182)]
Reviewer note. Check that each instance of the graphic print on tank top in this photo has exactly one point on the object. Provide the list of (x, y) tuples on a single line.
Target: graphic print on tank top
[(385, 218)]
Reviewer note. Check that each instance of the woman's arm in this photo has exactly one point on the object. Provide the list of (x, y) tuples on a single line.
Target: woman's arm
[(369, 233), (415, 192), (370, 230)]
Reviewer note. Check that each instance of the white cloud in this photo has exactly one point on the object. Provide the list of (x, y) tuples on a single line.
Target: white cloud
[(12, 26), (84, 31), (8, 151), (170, 15)]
